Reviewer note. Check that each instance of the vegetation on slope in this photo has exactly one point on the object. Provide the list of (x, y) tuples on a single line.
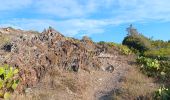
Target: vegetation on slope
[(136, 40), (9, 80), (123, 49), (154, 59)]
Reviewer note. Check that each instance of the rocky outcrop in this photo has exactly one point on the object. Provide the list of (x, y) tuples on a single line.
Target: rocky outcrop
[(36, 54)]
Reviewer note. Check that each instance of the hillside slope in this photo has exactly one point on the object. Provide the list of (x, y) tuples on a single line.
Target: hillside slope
[(56, 67)]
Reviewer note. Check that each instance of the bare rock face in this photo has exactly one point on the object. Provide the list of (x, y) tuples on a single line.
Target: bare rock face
[(35, 54)]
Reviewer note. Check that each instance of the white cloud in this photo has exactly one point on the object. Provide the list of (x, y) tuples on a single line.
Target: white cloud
[(61, 8), (76, 14), (131, 9), (69, 8), (29, 24), (116, 9), (6, 5), (87, 26), (67, 27), (70, 27), (144, 9)]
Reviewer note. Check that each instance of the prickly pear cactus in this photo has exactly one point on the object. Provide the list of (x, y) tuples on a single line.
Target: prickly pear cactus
[(9, 80)]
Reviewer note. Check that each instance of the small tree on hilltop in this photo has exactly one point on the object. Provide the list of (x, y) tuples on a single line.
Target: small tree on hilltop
[(136, 40)]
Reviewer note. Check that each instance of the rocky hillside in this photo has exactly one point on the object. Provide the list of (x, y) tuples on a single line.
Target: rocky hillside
[(35, 54), (54, 67)]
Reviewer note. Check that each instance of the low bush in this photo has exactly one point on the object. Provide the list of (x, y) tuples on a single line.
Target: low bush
[(160, 44), (149, 62), (122, 48), (136, 40), (162, 53), (159, 69), (9, 80), (125, 50), (162, 94), (150, 66)]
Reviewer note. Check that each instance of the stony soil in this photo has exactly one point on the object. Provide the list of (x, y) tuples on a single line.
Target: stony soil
[(84, 85)]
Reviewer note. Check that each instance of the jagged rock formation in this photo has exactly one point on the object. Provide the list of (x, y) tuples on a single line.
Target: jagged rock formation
[(36, 54)]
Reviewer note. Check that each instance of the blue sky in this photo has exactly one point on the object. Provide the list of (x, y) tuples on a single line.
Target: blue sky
[(102, 20)]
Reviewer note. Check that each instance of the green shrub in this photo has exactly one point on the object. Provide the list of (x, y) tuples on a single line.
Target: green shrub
[(9, 80), (149, 66), (148, 63), (159, 69), (136, 40), (160, 44), (163, 53), (101, 43), (162, 94), (125, 50), (165, 67), (122, 48), (109, 44)]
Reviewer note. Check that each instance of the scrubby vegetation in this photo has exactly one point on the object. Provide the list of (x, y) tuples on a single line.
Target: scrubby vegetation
[(153, 58), (9, 80), (4, 39), (148, 63), (162, 94), (123, 49), (141, 65), (136, 40), (134, 87)]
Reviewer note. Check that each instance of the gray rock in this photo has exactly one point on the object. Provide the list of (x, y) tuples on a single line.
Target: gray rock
[(110, 68)]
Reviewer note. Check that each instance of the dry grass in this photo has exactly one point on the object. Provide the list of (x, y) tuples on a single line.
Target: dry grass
[(137, 86), (4, 39), (71, 86), (70, 83), (54, 85)]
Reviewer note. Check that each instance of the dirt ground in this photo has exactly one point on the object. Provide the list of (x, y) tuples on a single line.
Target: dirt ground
[(92, 85)]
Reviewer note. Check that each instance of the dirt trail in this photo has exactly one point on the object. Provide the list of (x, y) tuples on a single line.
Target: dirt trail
[(105, 82)]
